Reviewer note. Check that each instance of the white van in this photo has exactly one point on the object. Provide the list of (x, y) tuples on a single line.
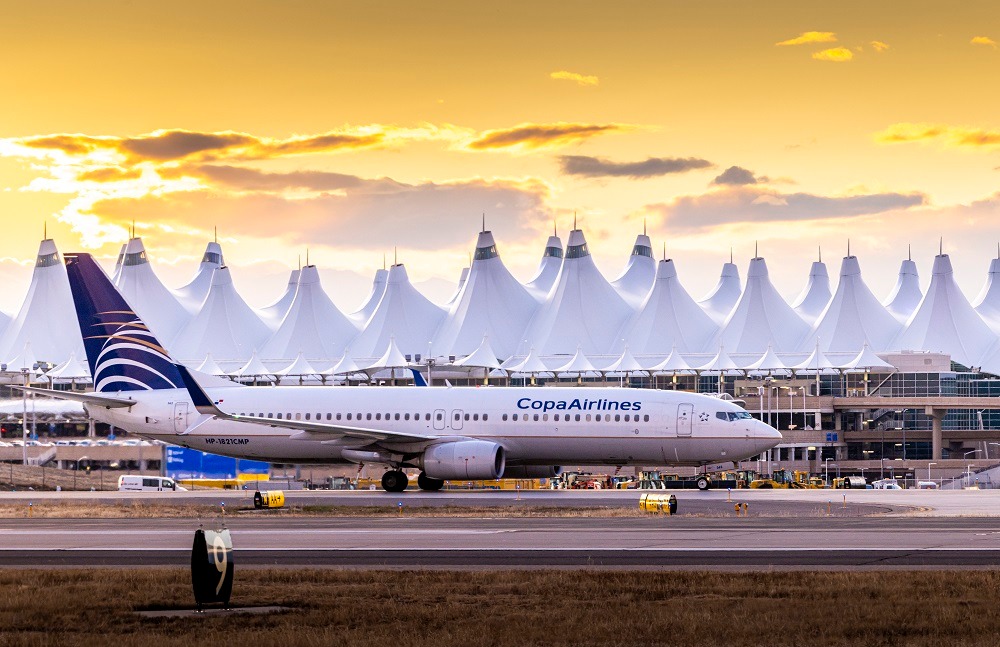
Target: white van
[(148, 484)]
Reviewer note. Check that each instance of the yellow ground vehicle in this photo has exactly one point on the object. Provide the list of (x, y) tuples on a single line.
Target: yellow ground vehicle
[(785, 479)]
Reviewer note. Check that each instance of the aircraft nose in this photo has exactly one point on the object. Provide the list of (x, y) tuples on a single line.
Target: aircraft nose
[(766, 435)]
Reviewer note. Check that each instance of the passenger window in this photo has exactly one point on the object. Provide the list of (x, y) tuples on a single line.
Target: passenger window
[(368, 416), (378, 416), (439, 416), (475, 417), (338, 416), (555, 417), (645, 418), (536, 417), (514, 417), (588, 417), (597, 417), (504, 417), (466, 416), (485, 416), (348, 416), (308, 416), (578, 417), (397, 416), (617, 417), (406, 416), (458, 417), (545, 417)]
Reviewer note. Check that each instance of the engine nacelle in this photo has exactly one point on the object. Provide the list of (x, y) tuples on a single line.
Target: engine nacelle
[(464, 459), (531, 471)]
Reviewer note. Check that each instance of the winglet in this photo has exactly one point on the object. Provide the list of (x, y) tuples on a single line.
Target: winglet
[(202, 402), (418, 378)]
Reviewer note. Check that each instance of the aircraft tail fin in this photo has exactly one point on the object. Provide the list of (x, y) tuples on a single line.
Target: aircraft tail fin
[(122, 352)]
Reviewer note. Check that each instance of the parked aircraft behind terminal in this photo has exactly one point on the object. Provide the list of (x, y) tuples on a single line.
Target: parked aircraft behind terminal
[(447, 433)]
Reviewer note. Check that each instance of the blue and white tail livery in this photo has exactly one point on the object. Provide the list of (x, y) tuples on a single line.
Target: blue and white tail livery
[(123, 353)]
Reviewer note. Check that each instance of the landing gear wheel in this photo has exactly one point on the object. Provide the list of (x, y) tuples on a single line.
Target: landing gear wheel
[(702, 483), (394, 481), (428, 484)]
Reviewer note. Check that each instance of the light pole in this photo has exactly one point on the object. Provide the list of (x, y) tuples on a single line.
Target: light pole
[(968, 466), (24, 420), (82, 458), (826, 468), (901, 426), (929, 470)]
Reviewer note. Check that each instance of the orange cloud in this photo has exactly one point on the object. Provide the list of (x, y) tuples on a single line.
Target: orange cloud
[(834, 55), (983, 40), (109, 174), (949, 135), (172, 145), (534, 136), (879, 46), (579, 79), (808, 37)]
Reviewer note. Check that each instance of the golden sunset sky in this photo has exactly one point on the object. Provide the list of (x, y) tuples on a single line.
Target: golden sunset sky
[(356, 128)]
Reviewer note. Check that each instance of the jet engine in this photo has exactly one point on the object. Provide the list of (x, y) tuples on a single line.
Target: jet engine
[(464, 459), (531, 471)]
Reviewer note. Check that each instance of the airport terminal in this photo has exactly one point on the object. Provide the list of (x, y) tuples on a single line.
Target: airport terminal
[(900, 387)]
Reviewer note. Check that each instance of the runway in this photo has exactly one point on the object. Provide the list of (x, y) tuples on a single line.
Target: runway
[(408, 543)]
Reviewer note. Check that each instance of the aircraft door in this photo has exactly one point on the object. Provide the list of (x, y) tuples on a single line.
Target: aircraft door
[(456, 419), (180, 417), (439, 418), (685, 412)]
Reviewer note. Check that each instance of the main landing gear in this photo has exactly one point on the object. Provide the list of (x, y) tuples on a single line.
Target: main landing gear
[(396, 481), (428, 484)]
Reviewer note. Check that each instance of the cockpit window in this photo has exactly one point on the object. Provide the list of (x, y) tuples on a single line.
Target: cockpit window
[(733, 415)]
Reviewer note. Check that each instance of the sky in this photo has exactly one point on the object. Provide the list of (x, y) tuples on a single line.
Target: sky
[(364, 132)]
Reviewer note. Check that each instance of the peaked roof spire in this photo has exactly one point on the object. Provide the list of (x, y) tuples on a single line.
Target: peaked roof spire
[(574, 219), (941, 246), (45, 231), (848, 247), (484, 221), (909, 251), (307, 257), (644, 226), (555, 228), (664, 250), (730, 254), (215, 230), (755, 254), (820, 259), (395, 255)]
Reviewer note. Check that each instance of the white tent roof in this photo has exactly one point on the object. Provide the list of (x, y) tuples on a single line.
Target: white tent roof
[(854, 316), (626, 363), (673, 365), (224, 325), (637, 278), (944, 321), (192, 295), (253, 368), (391, 358), (668, 317), (906, 296), (403, 313), (344, 366), (721, 363), (484, 356), (987, 304), (313, 325), (47, 316), (548, 269), (152, 301), (25, 360), (274, 313), (813, 299), (491, 302), (118, 264), (577, 365), (362, 314), (866, 360), (581, 309), (532, 364), (458, 290), (210, 366), (769, 363), (817, 362), (71, 369), (722, 299), (300, 366), (761, 317)]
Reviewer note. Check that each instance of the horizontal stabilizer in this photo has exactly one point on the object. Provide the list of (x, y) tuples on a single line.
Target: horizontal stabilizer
[(92, 399)]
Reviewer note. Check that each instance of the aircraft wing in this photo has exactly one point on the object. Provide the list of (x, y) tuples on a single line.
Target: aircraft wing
[(307, 430), (86, 398)]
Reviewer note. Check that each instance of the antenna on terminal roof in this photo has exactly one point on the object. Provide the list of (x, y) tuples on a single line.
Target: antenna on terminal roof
[(644, 227), (484, 222), (909, 251), (820, 247)]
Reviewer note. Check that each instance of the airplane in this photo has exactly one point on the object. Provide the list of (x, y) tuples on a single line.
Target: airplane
[(448, 433)]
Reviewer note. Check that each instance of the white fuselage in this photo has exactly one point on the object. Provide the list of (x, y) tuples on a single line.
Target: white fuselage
[(553, 426)]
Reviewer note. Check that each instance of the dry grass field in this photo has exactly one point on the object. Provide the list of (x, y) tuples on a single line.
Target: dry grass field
[(500, 608)]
